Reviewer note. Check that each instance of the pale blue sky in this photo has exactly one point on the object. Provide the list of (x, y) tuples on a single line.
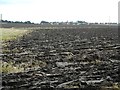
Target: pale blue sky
[(60, 10)]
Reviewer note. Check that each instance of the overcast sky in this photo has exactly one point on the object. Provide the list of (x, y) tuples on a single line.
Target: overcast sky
[(60, 10)]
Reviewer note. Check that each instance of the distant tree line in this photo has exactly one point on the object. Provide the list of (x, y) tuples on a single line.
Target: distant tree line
[(58, 23), (26, 22)]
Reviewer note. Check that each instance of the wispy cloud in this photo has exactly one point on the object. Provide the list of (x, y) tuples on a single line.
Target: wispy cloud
[(3, 2), (7, 2)]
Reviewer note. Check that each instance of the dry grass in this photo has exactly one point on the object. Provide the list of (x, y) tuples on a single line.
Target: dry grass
[(10, 68), (5, 35), (11, 33)]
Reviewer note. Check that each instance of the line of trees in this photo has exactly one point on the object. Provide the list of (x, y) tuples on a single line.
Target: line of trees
[(26, 22), (46, 22)]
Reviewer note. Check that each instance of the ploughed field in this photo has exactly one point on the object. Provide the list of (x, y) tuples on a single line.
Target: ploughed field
[(85, 58)]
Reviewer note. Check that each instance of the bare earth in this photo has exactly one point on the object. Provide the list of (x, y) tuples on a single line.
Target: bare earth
[(86, 58)]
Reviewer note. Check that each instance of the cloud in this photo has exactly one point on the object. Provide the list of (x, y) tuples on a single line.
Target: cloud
[(3, 2), (59, 10), (8, 2)]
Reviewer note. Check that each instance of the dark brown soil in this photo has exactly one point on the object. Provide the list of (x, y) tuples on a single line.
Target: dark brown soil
[(86, 59)]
